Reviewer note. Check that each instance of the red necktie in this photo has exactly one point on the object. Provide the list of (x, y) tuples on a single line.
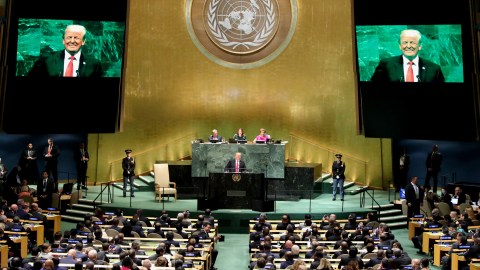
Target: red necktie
[(236, 166), (410, 72), (69, 71)]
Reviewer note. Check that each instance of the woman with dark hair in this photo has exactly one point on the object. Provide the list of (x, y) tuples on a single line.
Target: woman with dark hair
[(240, 135)]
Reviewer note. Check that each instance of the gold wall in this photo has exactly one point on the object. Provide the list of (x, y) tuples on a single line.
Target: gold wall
[(173, 93)]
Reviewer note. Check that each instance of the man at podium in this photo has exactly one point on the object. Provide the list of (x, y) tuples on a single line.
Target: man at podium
[(236, 164)]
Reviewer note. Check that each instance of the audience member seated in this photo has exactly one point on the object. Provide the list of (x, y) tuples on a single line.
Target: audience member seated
[(282, 225), (458, 197), (157, 228), (290, 232), (352, 222), (289, 259), (352, 256), (376, 260), (400, 259)]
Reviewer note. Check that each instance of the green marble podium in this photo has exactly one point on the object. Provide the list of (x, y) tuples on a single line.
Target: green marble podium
[(268, 159)]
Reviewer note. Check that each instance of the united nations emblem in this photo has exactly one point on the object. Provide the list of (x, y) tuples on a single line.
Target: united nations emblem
[(242, 26), (236, 177), (241, 33)]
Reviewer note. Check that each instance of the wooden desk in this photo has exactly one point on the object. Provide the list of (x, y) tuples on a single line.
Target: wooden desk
[(437, 253), (456, 259), (3, 255), (57, 222), (411, 228), (426, 236), (40, 229), (474, 266), (23, 245)]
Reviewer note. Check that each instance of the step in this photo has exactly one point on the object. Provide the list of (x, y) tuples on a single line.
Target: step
[(148, 179), (353, 190), (79, 212), (72, 218), (90, 202), (390, 212), (394, 218), (87, 207), (397, 225), (384, 206), (138, 185), (328, 189)]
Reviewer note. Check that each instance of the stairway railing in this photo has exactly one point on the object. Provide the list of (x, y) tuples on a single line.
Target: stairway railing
[(373, 200), (108, 186)]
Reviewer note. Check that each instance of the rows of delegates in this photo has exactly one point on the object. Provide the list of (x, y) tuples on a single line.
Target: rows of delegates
[(181, 239)]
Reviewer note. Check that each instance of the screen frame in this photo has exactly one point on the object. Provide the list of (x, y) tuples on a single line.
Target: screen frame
[(429, 107), (91, 105)]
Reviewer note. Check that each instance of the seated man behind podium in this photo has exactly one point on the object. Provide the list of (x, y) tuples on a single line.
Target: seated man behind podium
[(215, 137), (236, 164)]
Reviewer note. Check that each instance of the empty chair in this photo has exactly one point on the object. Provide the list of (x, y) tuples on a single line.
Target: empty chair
[(373, 224), (444, 208), (111, 232), (154, 235), (370, 255), (463, 206), (163, 186), (135, 234), (56, 200)]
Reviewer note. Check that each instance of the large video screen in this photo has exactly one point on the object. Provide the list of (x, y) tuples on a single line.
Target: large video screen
[(415, 71), (64, 66)]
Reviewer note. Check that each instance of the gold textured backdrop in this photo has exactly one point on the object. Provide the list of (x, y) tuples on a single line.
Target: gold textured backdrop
[(173, 94)]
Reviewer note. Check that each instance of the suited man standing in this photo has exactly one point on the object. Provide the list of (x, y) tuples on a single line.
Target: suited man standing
[(433, 163), (50, 154), (71, 62), (44, 191), (414, 197), (402, 166), (29, 164), (81, 158), (236, 164), (408, 67)]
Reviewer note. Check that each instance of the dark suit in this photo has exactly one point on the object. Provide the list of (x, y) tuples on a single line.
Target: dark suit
[(411, 198), (391, 70), (433, 163), (461, 198), (82, 166), (401, 174), (29, 165), (44, 193), (52, 65), (230, 167), (51, 162)]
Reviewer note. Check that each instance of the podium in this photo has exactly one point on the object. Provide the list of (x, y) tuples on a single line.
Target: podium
[(234, 191)]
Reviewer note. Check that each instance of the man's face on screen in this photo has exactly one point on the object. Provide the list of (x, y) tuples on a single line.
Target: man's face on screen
[(73, 41), (410, 46)]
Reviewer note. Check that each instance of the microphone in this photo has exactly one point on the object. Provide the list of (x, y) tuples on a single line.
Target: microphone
[(418, 78), (401, 79), (78, 73)]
